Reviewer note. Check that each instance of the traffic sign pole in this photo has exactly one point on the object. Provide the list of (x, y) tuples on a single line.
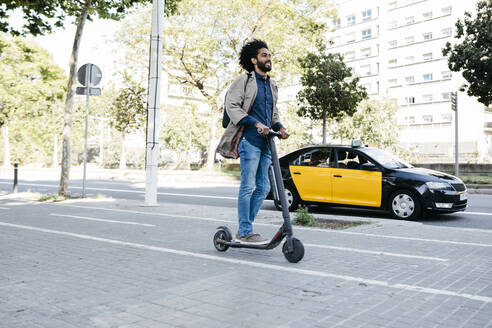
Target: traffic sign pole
[(454, 104), (88, 75), (87, 97)]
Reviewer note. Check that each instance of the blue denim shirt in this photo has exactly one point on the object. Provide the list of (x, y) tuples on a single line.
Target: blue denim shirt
[(261, 112)]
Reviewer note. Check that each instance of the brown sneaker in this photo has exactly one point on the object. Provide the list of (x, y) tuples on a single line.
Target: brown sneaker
[(252, 238)]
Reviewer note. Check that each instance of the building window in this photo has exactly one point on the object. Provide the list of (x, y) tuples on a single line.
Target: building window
[(392, 62), (447, 31), (366, 14), (446, 75), (365, 70), (446, 95), (427, 77), (366, 34), (336, 40), (351, 20), (446, 10), (410, 79), (392, 5), (410, 20), (427, 36), (427, 56), (410, 119), (427, 118), (392, 82), (367, 86), (337, 22), (427, 98), (410, 39), (410, 100), (410, 59), (350, 37), (393, 24), (366, 52), (393, 43), (447, 117), (349, 55), (427, 15)]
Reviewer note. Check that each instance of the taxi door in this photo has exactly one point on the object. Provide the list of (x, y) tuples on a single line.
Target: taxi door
[(353, 186), (312, 179)]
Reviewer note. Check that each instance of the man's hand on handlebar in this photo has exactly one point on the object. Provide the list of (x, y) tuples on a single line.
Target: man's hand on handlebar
[(262, 129), (285, 135)]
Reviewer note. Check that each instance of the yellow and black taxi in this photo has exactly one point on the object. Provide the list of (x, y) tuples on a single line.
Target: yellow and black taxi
[(366, 177)]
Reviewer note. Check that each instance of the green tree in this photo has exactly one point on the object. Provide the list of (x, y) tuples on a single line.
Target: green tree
[(185, 139), (471, 55), (31, 94), (128, 112), (202, 43), (373, 123), (40, 15), (329, 90)]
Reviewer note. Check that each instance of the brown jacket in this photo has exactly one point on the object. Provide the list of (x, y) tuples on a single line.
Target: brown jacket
[(239, 100)]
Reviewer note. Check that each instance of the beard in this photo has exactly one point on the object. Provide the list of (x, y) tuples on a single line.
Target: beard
[(263, 66)]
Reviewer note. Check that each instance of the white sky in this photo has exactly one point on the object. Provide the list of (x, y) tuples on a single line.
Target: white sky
[(96, 46)]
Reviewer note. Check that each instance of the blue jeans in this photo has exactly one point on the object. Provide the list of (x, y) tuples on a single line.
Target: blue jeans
[(255, 184)]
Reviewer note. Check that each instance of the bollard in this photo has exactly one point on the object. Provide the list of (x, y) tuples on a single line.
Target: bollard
[(16, 166)]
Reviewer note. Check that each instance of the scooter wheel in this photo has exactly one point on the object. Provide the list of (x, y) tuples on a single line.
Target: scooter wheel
[(297, 253), (221, 235)]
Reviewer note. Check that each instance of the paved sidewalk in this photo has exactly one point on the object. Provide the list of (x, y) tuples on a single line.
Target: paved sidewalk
[(107, 263)]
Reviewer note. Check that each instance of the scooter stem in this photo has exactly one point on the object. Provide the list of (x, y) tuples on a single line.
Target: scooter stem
[(280, 186)]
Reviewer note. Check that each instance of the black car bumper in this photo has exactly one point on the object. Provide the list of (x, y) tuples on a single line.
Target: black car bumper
[(445, 201)]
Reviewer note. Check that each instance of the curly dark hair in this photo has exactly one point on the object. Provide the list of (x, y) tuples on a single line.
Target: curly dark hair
[(248, 51)]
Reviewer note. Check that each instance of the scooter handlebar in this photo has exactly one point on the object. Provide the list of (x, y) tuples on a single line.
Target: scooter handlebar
[(271, 133)]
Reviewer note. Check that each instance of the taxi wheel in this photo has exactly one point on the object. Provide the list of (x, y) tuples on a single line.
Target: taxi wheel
[(292, 198), (404, 205)]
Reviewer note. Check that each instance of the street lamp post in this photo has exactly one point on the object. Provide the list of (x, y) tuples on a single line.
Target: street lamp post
[(454, 106), (153, 101)]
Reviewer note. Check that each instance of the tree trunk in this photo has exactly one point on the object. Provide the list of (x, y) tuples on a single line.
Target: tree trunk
[(123, 152), (6, 145), (324, 127), (67, 129), (212, 144)]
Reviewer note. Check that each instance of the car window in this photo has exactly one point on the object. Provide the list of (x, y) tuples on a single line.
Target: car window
[(317, 157), (349, 159), (386, 159)]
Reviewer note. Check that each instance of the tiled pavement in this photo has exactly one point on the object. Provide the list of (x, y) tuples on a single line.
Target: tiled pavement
[(61, 265)]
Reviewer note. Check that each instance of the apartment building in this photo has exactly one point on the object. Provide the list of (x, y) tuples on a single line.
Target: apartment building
[(395, 47)]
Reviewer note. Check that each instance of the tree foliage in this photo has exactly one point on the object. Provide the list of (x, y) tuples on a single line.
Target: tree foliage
[(374, 123), (202, 43), (329, 91), (128, 109), (471, 55), (31, 96), (30, 83), (40, 17)]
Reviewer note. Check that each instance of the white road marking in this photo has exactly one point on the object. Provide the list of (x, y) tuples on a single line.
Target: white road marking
[(132, 191), (102, 220), (377, 253), (3, 208), (477, 213), (290, 269), (297, 227)]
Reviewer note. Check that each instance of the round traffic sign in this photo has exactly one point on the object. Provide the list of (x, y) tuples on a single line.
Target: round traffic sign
[(89, 72)]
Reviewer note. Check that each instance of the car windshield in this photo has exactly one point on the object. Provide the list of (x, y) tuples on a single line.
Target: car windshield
[(386, 159)]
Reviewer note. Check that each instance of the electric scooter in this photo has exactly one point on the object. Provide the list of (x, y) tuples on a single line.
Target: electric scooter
[(292, 249)]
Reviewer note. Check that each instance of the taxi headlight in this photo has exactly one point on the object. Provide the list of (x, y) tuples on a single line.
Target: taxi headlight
[(438, 185)]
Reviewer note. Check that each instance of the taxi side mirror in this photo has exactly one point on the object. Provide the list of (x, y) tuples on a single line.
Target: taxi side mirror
[(370, 167)]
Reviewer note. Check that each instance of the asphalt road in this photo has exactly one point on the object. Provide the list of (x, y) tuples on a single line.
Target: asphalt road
[(477, 216)]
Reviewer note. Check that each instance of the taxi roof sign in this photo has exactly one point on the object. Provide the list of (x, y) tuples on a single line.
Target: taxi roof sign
[(356, 143)]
